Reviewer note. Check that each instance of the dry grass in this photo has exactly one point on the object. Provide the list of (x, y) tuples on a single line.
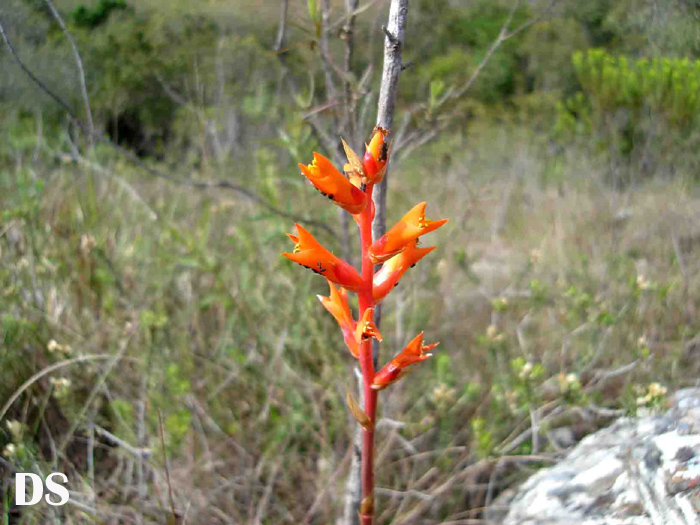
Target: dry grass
[(204, 321)]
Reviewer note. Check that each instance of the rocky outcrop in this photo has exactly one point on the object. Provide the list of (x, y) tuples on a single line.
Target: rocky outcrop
[(643, 471)]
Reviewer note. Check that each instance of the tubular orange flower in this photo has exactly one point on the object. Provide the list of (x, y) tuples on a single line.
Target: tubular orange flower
[(310, 253), (393, 269), (366, 328), (409, 228), (376, 155), (337, 305), (334, 185), (397, 367)]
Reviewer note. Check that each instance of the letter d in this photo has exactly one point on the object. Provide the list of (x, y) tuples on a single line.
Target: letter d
[(21, 490)]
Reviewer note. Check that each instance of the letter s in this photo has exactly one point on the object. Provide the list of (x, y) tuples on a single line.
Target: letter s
[(55, 488)]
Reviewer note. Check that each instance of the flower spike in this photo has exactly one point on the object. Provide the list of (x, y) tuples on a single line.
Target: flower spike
[(366, 328), (334, 185), (337, 305), (409, 228), (310, 253), (398, 366), (376, 155), (393, 269)]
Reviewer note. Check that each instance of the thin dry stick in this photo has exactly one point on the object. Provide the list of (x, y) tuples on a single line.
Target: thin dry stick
[(395, 35), (29, 382), (279, 41), (395, 32), (81, 71), (123, 346), (349, 35), (167, 467), (324, 50)]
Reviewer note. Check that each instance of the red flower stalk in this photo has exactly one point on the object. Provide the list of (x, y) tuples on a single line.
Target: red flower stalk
[(397, 249), (409, 228)]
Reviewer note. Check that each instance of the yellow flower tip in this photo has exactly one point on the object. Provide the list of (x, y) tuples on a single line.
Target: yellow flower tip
[(366, 327), (377, 145), (376, 155)]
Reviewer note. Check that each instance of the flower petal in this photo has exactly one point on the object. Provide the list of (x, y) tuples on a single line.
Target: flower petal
[(393, 269), (409, 228), (398, 366), (310, 253), (334, 185)]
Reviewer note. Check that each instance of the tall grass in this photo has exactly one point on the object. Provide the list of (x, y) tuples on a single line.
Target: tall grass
[(557, 301)]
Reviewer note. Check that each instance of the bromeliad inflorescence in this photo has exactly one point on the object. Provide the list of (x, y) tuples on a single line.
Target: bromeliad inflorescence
[(397, 250)]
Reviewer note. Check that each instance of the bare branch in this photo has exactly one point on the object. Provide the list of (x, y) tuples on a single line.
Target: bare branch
[(324, 49), (349, 36), (281, 31), (393, 48), (395, 31), (503, 35), (81, 71)]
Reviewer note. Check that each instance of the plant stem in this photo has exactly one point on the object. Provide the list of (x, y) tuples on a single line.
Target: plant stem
[(367, 365)]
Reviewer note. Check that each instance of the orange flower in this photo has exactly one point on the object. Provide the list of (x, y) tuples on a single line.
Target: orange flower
[(353, 333), (397, 367), (310, 253), (337, 305), (366, 328), (409, 228), (334, 185), (392, 270), (376, 156)]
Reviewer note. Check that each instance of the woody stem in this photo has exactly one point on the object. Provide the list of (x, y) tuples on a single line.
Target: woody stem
[(367, 366)]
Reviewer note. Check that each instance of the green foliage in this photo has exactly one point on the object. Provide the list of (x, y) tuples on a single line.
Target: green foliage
[(668, 87), (483, 437), (91, 18), (635, 110)]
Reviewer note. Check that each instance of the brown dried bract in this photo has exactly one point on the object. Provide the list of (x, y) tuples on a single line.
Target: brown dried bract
[(357, 412)]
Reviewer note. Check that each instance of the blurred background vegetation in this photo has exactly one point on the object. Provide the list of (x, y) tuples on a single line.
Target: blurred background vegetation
[(148, 317)]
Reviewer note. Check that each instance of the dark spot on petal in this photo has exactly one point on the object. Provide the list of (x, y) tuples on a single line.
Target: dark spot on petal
[(383, 153), (413, 265)]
